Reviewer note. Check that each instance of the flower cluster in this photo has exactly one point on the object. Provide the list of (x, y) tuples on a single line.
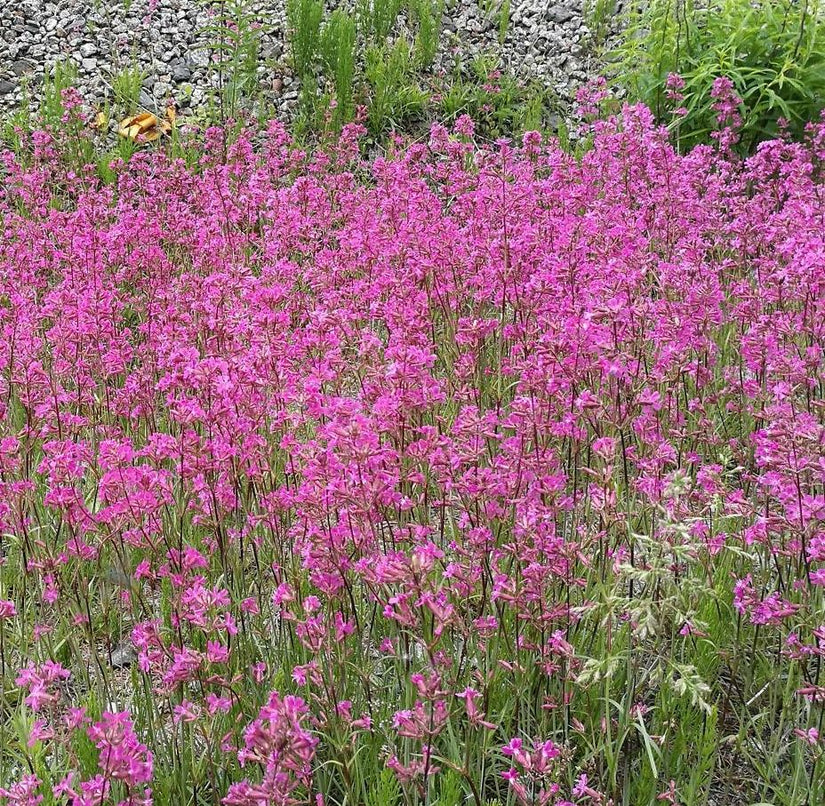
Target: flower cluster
[(453, 448)]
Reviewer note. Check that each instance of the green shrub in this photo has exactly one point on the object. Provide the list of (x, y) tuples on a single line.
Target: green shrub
[(772, 51), (427, 16), (395, 97), (338, 54), (304, 17)]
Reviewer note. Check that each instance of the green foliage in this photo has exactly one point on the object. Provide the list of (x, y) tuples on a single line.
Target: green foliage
[(498, 13), (385, 790), (62, 77), (376, 18), (233, 39), (427, 17), (450, 789), (500, 105), (12, 126), (503, 20), (50, 112), (304, 17), (395, 97), (338, 55), (772, 50), (126, 86), (598, 15), (390, 81), (83, 747)]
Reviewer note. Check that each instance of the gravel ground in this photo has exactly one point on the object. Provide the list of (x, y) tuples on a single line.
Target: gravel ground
[(546, 40)]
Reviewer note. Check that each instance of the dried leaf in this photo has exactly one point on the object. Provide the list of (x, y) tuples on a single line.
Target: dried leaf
[(145, 120), (148, 136), (142, 128)]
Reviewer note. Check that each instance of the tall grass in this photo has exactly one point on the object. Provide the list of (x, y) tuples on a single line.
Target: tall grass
[(427, 17), (338, 49), (395, 97), (376, 18), (304, 18)]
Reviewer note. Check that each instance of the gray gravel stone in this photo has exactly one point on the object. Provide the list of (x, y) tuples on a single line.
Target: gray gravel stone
[(181, 73), (544, 39), (123, 655), (21, 67)]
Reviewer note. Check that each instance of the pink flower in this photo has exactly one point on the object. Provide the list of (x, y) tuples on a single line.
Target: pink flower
[(474, 714), (809, 736), (40, 731), (42, 683), (280, 745), (23, 793), (122, 757)]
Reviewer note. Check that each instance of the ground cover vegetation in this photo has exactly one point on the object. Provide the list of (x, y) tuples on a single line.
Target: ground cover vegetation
[(363, 464), (772, 51)]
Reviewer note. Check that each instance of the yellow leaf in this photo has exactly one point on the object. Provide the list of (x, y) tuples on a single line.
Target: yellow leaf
[(146, 120), (140, 128)]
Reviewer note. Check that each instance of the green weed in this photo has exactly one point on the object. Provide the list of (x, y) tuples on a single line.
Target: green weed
[(376, 18), (772, 50), (126, 86), (232, 39), (395, 98), (304, 17), (338, 54), (427, 16)]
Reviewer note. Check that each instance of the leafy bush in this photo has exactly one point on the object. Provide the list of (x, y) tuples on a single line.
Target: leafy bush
[(772, 50)]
